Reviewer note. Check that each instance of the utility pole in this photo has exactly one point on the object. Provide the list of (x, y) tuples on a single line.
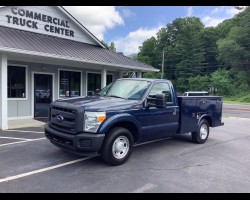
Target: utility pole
[(162, 65)]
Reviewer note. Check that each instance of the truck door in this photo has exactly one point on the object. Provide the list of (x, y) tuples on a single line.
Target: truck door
[(160, 122)]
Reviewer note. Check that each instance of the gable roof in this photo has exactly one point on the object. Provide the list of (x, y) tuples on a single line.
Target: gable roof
[(25, 42), (76, 22), (81, 26)]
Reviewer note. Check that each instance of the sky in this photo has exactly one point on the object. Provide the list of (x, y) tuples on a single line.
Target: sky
[(129, 26)]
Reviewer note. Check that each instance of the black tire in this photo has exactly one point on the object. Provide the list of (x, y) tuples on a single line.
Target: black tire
[(116, 135), (199, 136)]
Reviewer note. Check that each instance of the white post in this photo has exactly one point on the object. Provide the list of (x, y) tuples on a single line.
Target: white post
[(139, 74), (104, 78), (3, 93), (120, 74)]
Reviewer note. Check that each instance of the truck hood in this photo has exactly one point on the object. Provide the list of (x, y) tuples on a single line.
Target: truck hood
[(97, 103)]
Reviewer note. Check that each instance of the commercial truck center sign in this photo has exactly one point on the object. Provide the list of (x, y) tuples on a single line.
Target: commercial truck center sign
[(31, 19)]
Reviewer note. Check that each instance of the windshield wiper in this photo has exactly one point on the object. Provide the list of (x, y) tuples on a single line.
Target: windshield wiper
[(115, 96)]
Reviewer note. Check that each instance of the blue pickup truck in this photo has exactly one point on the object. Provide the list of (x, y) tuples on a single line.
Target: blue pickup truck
[(127, 112)]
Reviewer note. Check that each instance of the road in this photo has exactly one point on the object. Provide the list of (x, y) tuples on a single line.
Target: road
[(234, 110), (30, 163)]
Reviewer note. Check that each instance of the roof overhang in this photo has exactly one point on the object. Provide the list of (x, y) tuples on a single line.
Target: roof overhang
[(54, 56)]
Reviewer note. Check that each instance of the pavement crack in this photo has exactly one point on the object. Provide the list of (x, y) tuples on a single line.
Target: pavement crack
[(217, 143)]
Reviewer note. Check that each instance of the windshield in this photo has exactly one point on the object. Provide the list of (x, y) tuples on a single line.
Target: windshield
[(126, 89)]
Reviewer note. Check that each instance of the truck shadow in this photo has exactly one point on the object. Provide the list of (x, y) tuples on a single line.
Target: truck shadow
[(170, 145)]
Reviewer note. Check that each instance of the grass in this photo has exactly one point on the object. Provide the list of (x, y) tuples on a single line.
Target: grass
[(235, 102), (244, 99)]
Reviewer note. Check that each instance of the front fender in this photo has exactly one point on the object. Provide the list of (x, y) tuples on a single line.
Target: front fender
[(123, 117)]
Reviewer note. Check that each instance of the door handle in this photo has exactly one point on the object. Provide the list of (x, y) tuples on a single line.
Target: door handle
[(174, 112)]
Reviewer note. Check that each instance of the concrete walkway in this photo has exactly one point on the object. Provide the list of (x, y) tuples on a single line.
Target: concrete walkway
[(22, 123)]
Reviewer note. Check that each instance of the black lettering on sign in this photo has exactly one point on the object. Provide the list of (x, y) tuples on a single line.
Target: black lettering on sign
[(29, 14), (62, 23), (22, 22), (52, 29), (46, 27), (49, 19), (44, 18), (21, 12), (14, 10), (72, 34), (37, 16), (29, 23), (67, 32), (67, 25), (62, 31), (9, 17), (15, 20), (57, 30), (34, 25), (55, 21)]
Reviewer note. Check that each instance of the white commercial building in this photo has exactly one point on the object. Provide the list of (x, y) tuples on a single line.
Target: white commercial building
[(46, 54)]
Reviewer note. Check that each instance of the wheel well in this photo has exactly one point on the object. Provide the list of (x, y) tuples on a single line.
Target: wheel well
[(209, 120), (130, 126)]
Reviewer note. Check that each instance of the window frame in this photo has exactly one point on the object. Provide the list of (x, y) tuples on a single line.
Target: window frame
[(96, 72), (171, 93), (69, 70), (26, 83)]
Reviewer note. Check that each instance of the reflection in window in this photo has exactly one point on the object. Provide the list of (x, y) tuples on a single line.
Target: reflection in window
[(94, 82), (16, 82), (70, 84), (161, 88), (109, 79)]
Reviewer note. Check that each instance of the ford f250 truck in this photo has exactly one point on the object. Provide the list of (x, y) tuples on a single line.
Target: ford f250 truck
[(127, 112)]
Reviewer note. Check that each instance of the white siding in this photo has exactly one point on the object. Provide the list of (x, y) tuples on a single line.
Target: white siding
[(79, 34)]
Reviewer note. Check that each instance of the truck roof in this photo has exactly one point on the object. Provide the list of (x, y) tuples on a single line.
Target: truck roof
[(145, 79)]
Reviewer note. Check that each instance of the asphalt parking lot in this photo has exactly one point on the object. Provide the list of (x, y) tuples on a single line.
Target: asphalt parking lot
[(30, 163)]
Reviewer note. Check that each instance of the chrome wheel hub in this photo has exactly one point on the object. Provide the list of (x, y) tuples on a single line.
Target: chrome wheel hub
[(120, 147), (203, 131)]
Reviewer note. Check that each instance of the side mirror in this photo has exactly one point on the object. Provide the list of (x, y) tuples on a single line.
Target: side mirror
[(160, 101)]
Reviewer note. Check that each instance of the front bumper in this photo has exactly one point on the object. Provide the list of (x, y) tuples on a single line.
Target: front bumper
[(83, 144)]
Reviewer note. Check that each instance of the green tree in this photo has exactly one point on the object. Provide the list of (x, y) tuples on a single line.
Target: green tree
[(199, 83), (112, 47), (234, 50)]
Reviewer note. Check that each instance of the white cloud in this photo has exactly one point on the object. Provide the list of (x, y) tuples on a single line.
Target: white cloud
[(130, 43), (233, 11), (212, 21), (97, 19), (190, 11), (219, 14), (127, 13)]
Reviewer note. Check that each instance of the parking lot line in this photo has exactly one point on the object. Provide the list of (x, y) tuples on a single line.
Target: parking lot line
[(43, 170), (13, 138), (30, 140), (24, 131), (144, 188)]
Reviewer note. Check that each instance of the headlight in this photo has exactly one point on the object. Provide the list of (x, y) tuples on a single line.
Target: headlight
[(92, 120)]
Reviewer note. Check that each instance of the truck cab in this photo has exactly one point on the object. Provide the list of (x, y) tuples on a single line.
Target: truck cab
[(126, 112)]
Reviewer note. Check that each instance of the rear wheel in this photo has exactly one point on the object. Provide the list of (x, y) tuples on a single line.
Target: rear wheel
[(118, 146), (201, 135)]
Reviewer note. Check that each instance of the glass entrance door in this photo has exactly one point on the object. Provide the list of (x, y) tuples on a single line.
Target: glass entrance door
[(42, 95)]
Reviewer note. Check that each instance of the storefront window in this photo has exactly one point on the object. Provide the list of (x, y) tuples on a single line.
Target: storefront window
[(94, 82), (16, 82), (70, 84), (109, 78)]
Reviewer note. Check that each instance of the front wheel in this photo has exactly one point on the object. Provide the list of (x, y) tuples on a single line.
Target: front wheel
[(201, 135), (118, 146)]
